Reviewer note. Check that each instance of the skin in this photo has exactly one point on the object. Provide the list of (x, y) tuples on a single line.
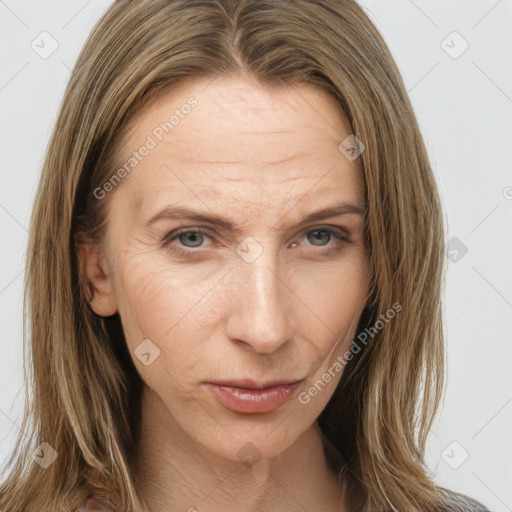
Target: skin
[(264, 158)]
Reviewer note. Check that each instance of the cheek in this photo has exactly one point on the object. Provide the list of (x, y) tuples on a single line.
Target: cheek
[(339, 298), (177, 308), (153, 298), (167, 306), (335, 298)]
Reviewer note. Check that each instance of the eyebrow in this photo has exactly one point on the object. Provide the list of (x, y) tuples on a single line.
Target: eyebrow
[(181, 212)]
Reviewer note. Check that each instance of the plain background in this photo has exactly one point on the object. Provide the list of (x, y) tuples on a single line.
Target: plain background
[(455, 58)]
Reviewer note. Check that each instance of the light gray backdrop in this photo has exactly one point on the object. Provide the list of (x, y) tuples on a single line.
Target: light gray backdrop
[(455, 57)]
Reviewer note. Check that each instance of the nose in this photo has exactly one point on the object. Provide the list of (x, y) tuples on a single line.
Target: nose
[(260, 316)]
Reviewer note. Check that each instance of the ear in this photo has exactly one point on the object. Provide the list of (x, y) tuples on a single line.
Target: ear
[(95, 279)]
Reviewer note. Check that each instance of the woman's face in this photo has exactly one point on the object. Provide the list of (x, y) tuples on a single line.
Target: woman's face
[(248, 290)]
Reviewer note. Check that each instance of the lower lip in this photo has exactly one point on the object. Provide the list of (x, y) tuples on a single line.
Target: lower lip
[(253, 400)]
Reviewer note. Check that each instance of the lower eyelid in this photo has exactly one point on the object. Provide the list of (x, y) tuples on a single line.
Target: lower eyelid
[(173, 236), (341, 237), (335, 234)]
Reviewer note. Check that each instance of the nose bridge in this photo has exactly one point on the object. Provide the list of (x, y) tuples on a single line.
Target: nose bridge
[(260, 316)]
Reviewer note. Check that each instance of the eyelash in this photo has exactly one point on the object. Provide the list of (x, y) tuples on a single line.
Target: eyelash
[(337, 234)]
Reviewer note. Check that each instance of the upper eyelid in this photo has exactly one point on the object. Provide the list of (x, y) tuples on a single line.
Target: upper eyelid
[(172, 235), (204, 230)]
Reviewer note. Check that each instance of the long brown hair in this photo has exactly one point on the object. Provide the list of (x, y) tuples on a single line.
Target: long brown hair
[(86, 390)]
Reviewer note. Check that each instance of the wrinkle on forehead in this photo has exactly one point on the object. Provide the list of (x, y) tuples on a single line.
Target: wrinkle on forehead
[(297, 142)]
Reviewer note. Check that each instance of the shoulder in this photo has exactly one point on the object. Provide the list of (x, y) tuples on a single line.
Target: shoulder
[(92, 503), (458, 502)]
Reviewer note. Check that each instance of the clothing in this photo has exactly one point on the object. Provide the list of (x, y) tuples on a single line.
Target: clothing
[(93, 503)]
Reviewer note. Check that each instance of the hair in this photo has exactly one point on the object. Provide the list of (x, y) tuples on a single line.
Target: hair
[(85, 388)]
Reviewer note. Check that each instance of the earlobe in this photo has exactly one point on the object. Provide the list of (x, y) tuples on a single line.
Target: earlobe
[(95, 280), (103, 307)]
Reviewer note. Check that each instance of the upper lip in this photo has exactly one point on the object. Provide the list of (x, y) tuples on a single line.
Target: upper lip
[(252, 384)]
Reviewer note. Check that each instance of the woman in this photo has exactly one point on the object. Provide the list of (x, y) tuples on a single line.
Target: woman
[(231, 304)]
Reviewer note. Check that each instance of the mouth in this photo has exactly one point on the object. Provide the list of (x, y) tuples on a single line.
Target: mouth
[(248, 396)]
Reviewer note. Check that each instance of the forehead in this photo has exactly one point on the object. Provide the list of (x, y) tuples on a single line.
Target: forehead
[(218, 133)]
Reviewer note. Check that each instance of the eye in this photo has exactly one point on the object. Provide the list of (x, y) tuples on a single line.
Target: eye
[(329, 238), (318, 235), (195, 238), (189, 240)]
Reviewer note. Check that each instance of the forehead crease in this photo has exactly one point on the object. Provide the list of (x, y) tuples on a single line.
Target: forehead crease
[(210, 190)]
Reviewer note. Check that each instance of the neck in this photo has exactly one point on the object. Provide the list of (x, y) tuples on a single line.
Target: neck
[(175, 474)]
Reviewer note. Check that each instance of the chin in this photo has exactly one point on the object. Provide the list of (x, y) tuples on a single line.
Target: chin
[(248, 445)]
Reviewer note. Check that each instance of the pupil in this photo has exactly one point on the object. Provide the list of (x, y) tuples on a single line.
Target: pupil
[(195, 238), (315, 238)]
